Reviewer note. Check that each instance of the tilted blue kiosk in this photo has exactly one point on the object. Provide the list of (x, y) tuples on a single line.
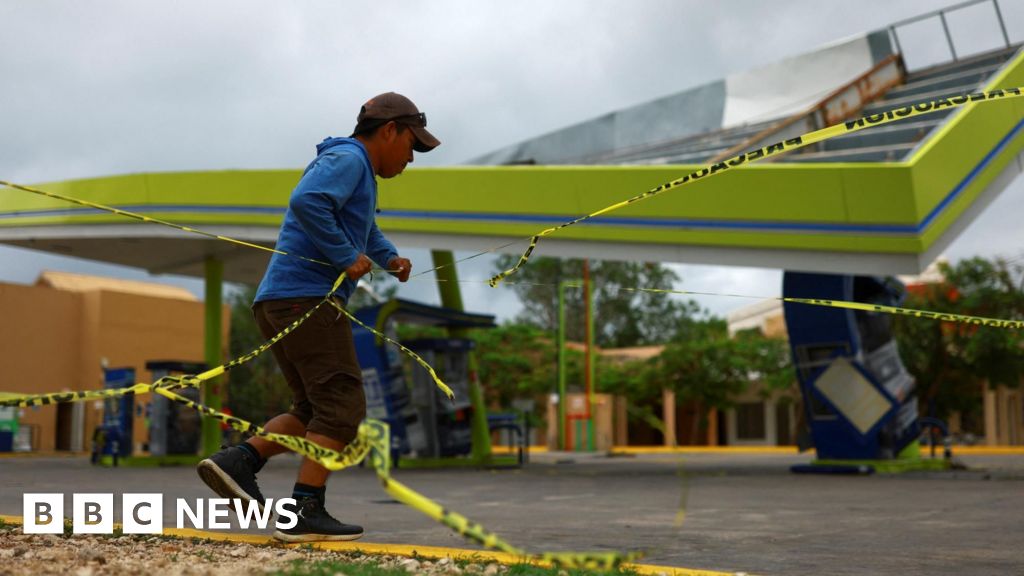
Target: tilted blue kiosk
[(425, 425)]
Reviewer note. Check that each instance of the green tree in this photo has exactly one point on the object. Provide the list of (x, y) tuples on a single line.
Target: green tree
[(703, 365), (515, 361), (256, 390), (621, 317), (769, 361), (951, 361), (635, 380)]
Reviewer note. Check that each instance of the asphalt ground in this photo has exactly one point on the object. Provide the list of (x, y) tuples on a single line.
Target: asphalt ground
[(741, 512)]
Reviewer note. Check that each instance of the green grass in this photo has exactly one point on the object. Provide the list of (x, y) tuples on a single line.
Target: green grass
[(529, 570), (331, 567), (206, 555)]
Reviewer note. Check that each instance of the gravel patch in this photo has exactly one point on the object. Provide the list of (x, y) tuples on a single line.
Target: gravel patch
[(87, 555)]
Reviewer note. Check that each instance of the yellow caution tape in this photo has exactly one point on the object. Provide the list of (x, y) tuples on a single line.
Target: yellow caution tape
[(189, 229), (908, 111), (373, 435), (372, 440), (881, 118), (151, 220), (941, 316), (167, 382), (895, 310), (330, 459), (25, 400), (172, 382), (291, 327), (214, 372), (430, 369)]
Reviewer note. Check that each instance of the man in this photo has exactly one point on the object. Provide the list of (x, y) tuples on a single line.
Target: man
[(330, 217)]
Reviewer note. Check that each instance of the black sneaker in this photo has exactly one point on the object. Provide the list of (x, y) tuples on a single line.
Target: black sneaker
[(231, 473), (316, 525)]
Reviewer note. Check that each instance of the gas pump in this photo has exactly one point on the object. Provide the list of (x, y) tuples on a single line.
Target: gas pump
[(435, 426), (174, 428), (858, 396), (8, 428), (424, 423), (113, 437)]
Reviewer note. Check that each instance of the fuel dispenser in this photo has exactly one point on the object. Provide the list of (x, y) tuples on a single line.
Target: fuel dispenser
[(424, 423), (113, 437), (858, 397), (174, 428), (435, 426)]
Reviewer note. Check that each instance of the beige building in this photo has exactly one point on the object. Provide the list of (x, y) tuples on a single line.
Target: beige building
[(60, 333), (754, 420), (680, 419), (1004, 417), (757, 420)]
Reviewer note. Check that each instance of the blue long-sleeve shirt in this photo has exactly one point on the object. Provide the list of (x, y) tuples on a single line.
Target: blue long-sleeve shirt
[(330, 217)]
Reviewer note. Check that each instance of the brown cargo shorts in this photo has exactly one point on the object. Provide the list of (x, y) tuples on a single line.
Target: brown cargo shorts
[(319, 363)]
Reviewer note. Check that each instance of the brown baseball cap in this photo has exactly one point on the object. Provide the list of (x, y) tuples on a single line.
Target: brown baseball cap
[(389, 106)]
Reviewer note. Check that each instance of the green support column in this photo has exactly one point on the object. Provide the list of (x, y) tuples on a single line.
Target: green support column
[(588, 302), (562, 440), (451, 297), (211, 389)]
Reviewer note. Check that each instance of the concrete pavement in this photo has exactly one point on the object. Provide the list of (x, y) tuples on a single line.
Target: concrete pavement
[(743, 511)]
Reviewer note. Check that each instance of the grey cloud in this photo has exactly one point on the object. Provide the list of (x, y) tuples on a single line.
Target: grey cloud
[(111, 87)]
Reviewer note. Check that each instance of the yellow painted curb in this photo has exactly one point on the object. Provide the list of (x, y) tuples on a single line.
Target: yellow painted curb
[(964, 450), (513, 450), (432, 552), (704, 450), (981, 450), (957, 450)]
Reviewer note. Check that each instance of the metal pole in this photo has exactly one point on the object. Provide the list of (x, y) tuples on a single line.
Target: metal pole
[(561, 365), (577, 445), (895, 39), (1002, 26), (949, 39), (214, 292), (588, 304)]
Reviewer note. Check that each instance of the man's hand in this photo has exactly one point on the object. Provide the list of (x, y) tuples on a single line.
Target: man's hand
[(359, 269), (399, 268)]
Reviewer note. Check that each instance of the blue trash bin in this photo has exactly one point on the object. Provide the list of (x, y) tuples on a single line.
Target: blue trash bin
[(6, 441)]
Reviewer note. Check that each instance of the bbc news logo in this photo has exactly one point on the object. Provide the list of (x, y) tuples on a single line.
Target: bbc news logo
[(144, 513)]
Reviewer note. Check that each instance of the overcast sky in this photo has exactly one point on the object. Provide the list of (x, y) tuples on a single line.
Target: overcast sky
[(99, 88)]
